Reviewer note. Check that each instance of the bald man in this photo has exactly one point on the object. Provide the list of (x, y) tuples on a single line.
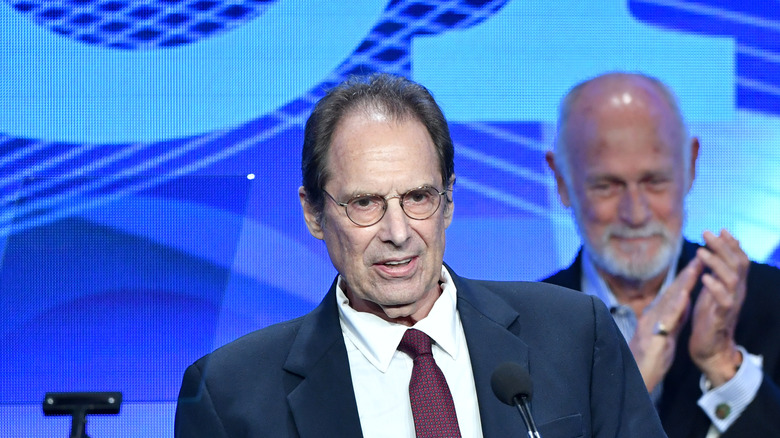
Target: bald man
[(701, 321)]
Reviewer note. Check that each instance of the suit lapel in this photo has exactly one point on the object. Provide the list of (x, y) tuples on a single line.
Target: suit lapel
[(491, 329), (321, 398)]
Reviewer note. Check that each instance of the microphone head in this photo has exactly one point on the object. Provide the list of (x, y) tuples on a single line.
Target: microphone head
[(511, 380)]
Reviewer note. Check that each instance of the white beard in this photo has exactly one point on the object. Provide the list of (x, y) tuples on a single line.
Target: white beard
[(637, 266)]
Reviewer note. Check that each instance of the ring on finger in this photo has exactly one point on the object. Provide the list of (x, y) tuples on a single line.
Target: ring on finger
[(660, 329)]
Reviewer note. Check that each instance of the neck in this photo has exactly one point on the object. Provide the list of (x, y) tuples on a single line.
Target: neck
[(636, 294), (404, 314)]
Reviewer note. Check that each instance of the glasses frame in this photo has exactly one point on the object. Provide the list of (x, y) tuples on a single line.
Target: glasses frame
[(385, 200)]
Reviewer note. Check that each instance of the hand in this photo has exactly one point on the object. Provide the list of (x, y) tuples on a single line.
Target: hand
[(715, 313), (653, 350)]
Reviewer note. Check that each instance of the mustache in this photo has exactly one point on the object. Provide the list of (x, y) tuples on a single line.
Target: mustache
[(649, 230)]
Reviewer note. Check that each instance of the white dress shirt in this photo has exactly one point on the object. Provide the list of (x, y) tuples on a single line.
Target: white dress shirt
[(381, 373)]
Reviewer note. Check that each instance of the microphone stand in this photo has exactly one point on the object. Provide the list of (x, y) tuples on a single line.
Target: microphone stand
[(80, 404), (521, 401), (78, 425)]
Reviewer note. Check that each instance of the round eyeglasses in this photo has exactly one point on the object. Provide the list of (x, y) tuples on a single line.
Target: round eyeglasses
[(368, 209)]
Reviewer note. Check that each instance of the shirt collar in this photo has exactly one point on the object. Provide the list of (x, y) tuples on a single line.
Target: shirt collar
[(377, 339)]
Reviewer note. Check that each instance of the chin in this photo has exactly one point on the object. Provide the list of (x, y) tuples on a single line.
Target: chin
[(636, 266)]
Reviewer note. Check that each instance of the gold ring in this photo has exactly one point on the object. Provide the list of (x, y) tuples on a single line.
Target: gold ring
[(660, 329)]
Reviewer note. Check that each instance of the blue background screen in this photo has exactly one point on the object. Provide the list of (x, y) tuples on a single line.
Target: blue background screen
[(150, 161)]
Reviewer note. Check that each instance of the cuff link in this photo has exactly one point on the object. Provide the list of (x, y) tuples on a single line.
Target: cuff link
[(722, 411)]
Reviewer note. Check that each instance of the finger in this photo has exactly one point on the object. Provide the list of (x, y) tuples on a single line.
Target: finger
[(727, 248), (731, 241), (742, 261), (703, 309), (720, 269), (719, 292), (687, 277), (683, 318), (743, 266), (675, 301), (729, 238), (717, 245), (683, 284), (660, 329)]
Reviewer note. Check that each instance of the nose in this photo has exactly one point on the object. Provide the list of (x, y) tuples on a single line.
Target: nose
[(394, 226), (633, 208)]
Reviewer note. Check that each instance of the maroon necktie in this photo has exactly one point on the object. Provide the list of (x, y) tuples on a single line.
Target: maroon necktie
[(432, 406)]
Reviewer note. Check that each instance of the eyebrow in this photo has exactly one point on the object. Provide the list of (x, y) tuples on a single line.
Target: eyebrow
[(600, 177), (359, 193)]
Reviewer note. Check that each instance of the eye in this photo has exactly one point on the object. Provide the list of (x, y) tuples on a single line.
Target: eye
[(603, 188), (657, 183), (365, 202), (418, 196)]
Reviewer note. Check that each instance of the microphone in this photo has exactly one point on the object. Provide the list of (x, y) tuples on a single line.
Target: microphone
[(512, 385)]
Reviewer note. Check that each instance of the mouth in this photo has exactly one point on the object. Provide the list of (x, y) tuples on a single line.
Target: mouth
[(632, 243), (397, 268), (394, 263), (633, 238)]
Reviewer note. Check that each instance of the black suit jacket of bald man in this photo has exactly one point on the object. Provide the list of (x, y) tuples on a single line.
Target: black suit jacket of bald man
[(758, 330)]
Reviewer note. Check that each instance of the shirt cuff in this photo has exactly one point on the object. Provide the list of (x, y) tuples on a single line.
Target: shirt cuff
[(726, 403)]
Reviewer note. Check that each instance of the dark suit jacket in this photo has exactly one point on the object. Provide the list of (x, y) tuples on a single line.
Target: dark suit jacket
[(758, 330), (293, 379)]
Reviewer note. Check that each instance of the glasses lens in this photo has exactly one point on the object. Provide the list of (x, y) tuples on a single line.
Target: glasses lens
[(366, 209), (421, 203)]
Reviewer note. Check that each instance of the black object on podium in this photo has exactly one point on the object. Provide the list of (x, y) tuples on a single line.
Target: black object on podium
[(79, 405)]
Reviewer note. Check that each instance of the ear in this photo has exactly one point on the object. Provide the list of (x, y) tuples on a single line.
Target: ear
[(563, 191), (694, 155), (449, 203), (312, 221)]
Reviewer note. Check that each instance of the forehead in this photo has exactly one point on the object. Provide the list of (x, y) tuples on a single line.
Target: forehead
[(372, 152)]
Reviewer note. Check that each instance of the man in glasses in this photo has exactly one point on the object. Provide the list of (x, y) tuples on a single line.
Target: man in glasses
[(701, 320), (400, 345)]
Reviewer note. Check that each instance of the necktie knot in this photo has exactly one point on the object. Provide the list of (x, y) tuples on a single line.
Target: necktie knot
[(415, 343)]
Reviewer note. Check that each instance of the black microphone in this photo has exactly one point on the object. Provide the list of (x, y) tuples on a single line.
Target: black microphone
[(512, 385)]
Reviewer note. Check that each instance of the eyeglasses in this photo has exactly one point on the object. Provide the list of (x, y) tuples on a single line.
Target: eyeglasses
[(368, 209)]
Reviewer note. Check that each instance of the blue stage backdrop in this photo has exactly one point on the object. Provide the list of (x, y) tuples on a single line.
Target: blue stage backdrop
[(150, 156)]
